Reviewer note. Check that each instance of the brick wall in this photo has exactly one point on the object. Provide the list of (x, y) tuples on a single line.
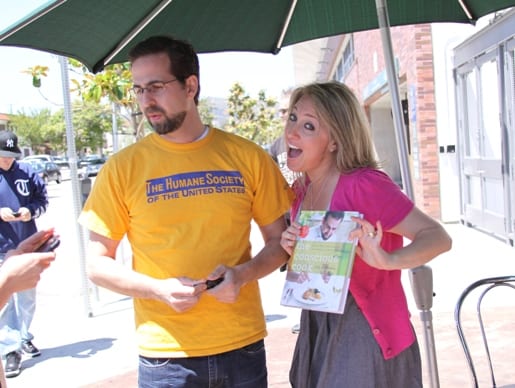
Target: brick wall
[(414, 51)]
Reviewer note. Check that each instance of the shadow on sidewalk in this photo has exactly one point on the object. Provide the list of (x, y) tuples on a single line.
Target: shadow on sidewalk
[(78, 350)]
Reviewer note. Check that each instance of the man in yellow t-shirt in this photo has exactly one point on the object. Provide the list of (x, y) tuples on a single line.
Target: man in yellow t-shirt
[(185, 197)]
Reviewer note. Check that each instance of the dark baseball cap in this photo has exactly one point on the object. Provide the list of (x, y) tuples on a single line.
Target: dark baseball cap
[(9, 145)]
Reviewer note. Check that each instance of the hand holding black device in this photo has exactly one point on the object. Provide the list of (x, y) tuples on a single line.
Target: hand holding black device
[(49, 245), (16, 214)]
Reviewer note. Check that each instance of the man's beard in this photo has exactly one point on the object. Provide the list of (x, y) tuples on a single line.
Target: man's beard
[(170, 124)]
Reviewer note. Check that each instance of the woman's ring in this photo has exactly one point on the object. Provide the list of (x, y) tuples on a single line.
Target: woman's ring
[(371, 234)]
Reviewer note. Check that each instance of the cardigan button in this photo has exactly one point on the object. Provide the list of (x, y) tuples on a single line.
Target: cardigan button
[(376, 331)]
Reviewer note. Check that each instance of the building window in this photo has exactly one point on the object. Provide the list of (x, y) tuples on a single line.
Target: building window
[(346, 61)]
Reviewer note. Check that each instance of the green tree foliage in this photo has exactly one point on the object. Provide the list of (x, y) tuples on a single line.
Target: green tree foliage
[(108, 90), (91, 122), (31, 129), (45, 132), (254, 119), (114, 85), (206, 112)]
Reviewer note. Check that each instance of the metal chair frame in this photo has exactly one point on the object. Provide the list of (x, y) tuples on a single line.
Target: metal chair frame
[(501, 281)]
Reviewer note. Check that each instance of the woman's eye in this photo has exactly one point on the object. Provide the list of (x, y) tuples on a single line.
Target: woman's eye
[(292, 117), (309, 126)]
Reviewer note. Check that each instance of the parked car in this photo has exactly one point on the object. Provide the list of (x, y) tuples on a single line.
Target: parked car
[(42, 157), (64, 166), (91, 165), (48, 171)]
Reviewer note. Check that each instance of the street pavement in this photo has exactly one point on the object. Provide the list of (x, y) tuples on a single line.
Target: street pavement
[(86, 334)]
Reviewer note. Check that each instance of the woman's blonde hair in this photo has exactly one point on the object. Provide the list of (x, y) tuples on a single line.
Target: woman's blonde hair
[(338, 107)]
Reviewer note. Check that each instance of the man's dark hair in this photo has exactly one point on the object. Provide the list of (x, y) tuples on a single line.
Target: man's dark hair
[(337, 215), (183, 58)]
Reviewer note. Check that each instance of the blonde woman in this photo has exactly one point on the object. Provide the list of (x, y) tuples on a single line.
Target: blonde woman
[(373, 343)]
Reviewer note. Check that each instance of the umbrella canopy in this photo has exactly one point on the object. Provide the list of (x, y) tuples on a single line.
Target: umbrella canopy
[(100, 32)]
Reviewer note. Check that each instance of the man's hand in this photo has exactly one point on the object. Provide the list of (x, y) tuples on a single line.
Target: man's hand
[(181, 294), (229, 289)]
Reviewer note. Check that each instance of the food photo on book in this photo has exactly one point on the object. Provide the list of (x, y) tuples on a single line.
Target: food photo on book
[(318, 273)]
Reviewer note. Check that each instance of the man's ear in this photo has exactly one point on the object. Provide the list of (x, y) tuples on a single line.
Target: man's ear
[(191, 85)]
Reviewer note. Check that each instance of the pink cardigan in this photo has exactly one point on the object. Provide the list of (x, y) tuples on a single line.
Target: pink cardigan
[(378, 293)]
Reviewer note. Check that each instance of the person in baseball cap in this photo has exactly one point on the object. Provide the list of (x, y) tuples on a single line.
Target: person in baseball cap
[(9, 145), (23, 198)]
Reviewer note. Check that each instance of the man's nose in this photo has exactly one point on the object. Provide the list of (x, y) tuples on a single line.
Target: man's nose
[(146, 99)]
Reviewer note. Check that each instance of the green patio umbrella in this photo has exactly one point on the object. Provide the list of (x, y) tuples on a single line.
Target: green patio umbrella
[(99, 32)]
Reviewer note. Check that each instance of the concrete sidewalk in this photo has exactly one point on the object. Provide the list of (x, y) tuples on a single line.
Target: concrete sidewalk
[(99, 351), (452, 367)]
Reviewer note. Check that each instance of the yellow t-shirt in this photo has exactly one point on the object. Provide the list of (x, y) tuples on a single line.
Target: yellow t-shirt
[(187, 208)]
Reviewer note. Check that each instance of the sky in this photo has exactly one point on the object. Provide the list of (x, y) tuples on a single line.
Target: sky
[(218, 71)]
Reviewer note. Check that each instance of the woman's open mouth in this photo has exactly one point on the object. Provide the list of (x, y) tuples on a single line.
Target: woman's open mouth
[(293, 151)]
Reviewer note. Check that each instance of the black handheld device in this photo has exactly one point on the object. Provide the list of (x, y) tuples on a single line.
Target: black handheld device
[(49, 245), (213, 283)]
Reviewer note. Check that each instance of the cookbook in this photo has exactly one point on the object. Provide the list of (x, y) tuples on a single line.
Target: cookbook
[(319, 270)]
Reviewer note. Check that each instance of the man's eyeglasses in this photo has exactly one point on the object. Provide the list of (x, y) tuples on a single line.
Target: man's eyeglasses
[(154, 88)]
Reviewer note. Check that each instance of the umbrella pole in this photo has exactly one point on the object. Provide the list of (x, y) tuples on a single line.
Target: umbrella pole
[(77, 196), (421, 279), (393, 84), (418, 287)]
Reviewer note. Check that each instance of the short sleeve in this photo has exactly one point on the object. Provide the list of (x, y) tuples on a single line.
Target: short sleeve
[(375, 195)]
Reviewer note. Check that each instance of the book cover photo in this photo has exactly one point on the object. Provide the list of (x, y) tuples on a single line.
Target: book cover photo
[(319, 270)]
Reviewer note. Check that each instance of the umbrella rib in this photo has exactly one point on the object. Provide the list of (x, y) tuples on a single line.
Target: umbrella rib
[(286, 24), (33, 18), (156, 11), (465, 9)]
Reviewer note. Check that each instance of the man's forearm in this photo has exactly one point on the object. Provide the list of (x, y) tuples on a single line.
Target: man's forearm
[(107, 273)]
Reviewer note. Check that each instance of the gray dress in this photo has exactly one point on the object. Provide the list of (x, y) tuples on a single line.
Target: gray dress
[(335, 350)]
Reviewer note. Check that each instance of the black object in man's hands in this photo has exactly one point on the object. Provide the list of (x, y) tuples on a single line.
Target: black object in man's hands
[(213, 283)]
